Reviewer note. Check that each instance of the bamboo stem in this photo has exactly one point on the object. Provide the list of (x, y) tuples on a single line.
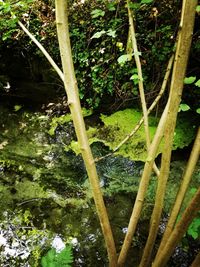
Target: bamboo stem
[(189, 214), (142, 188), (75, 108), (155, 102), (181, 58), (180, 196), (140, 82)]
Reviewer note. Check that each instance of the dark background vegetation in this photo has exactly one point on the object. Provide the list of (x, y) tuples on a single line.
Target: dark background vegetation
[(103, 83)]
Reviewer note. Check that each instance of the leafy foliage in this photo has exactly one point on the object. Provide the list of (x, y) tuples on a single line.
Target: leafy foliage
[(198, 83), (61, 259), (8, 10), (194, 228), (189, 80), (97, 28), (146, 1), (118, 125), (183, 107), (97, 13), (124, 58)]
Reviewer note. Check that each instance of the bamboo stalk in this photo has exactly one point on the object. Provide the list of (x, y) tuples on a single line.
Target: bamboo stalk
[(189, 214), (194, 156), (196, 262), (75, 108), (140, 82), (142, 188), (181, 58), (43, 50)]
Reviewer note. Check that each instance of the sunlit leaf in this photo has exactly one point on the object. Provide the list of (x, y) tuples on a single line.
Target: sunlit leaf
[(53, 259), (98, 34), (111, 7), (146, 1), (184, 107), (4, 143), (134, 5), (124, 58), (198, 83), (194, 228), (137, 53), (120, 45), (189, 80), (198, 110), (97, 13), (134, 77), (17, 107), (198, 8), (111, 33)]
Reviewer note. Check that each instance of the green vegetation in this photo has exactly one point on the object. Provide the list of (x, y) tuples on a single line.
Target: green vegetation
[(97, 45), (58, 259), (117, 47), (118, 125)]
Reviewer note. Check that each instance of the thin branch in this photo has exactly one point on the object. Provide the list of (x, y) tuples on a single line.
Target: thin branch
[(140, 82), (71, 88), (155, 102), (189, 214), (176, 89), (196, 262), (144, 182), (183, 188), (43, 50)]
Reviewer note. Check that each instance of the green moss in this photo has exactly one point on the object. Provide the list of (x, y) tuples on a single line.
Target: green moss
[(120, 124), (29, 190), (63, 119), (58, 121)]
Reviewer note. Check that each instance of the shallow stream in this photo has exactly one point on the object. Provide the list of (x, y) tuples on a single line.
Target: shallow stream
[(45, 192)]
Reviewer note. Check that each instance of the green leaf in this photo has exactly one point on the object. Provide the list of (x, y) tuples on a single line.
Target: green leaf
[(17, 107), (198, 83), (98, 34), (198, 8), (134, 77), (194, 228), (146, 1), (134, 5), (189, 80), (124, 58), (111, 33), (97, 13), (184, 107), (111, 6), (6, 7), (53, 259), (198, 110), (137, 53)]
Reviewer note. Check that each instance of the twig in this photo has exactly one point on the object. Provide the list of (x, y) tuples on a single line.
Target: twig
[(140, 83), (137, 127), (43, 50), (194, 156)]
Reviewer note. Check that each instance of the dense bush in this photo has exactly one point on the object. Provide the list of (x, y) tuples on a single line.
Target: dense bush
[(99, 34)]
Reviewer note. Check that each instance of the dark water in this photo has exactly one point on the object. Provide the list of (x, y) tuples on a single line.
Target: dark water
[(40, 179), (45, 192)]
